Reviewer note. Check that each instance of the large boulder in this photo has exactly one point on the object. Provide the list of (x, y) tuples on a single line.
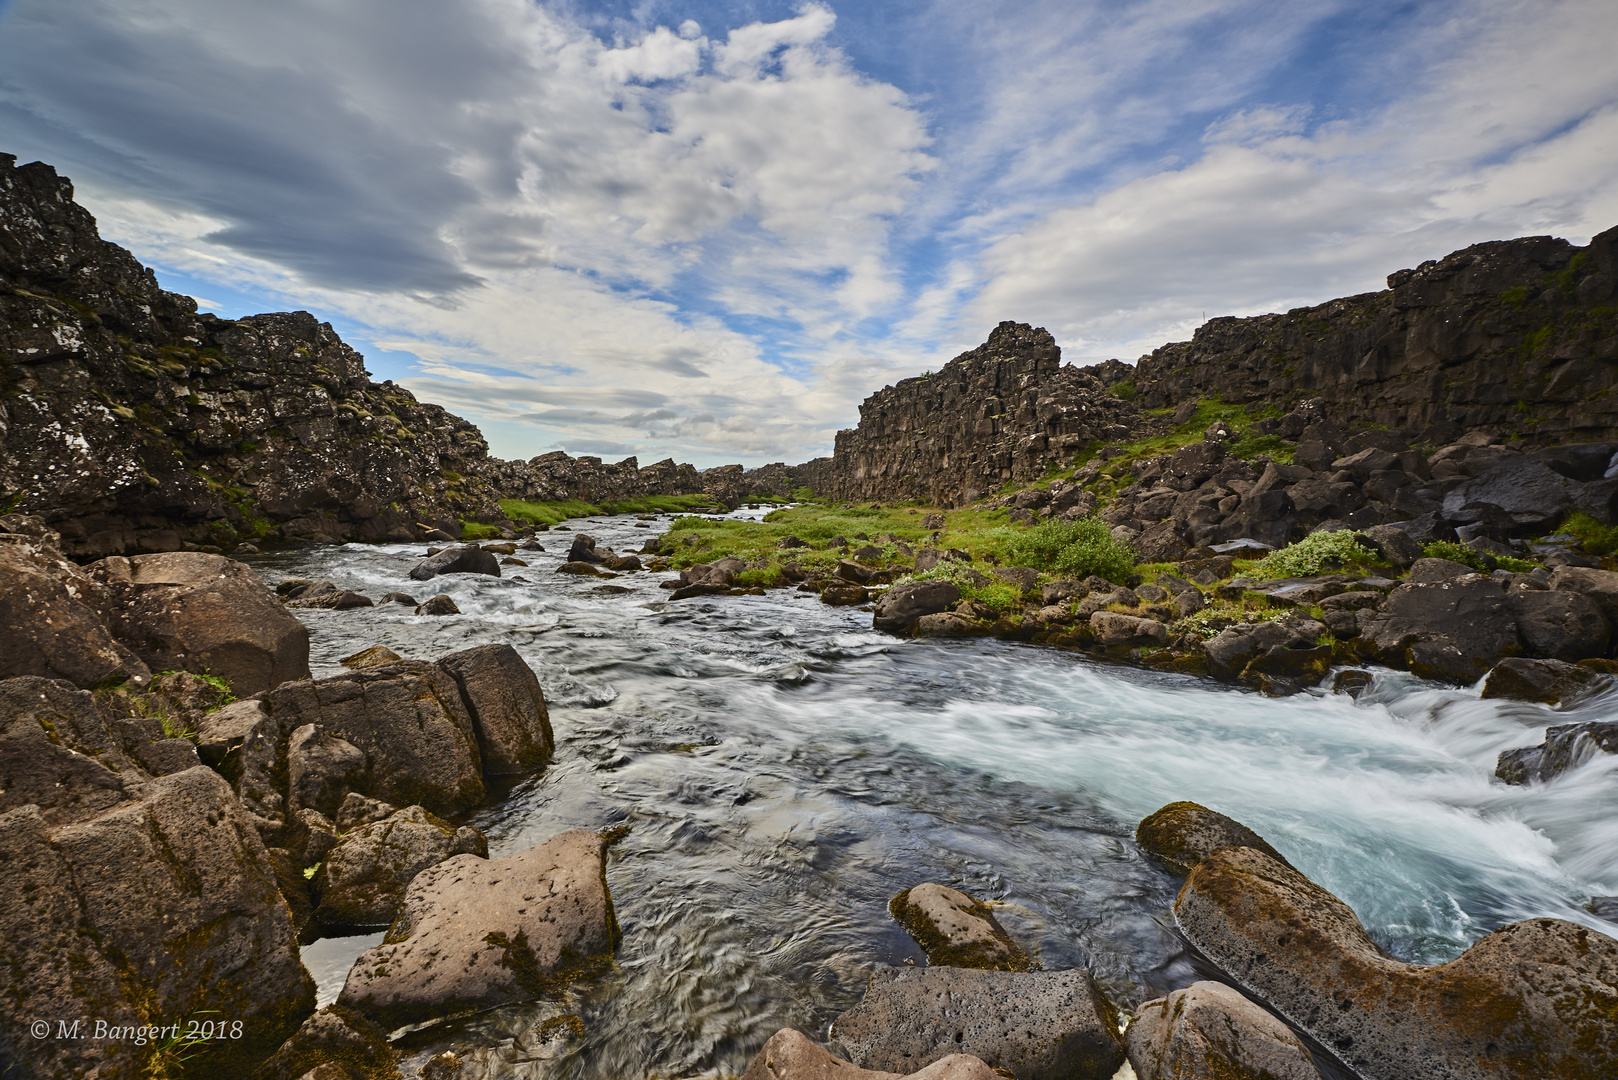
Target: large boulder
[(1037, 1025), (1559, 625), (1534, 1000), (49, 628), (791, 1055), (1232, 650), (583, 549), (59, 753), (956, 930), (1182, 834), (463, 559), (1601, 586), (1565, 747), (1519, 492), (507, 707), (476, 933), (1115, 629), (1553, 682), (362, 880), (191, 611), (1450, 632), (1209, 1031), (1392, 543), (162, 908), (904, 604), (406, 718)]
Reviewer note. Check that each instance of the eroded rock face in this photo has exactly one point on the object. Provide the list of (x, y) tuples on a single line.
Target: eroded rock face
[(362, 880), (791, 1055), (158, 908), (1535, 999), (1454, 631), (48, 625), (1182, 834), (475, 933), (190, 611), (58, 752), (902, 606), (507, 706), (339, 1038), (1209, 1031), (1049, 1025), (956, 930)]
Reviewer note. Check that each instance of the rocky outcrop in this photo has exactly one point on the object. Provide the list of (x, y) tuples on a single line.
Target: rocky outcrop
[(476, 933), (1053, 1025), (159, 908), (202, 613), (1534, 1000), (956, 930), (1209, 1031), (1551, 682), (507, 706), (1000, 412), (790, 1055), (338, 1039), (1512, 335)]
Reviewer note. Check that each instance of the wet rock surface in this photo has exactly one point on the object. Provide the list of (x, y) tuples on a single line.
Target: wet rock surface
[(1552, 682), (1564, 748), (1035, 1025), (1182, 834), (956, 930)]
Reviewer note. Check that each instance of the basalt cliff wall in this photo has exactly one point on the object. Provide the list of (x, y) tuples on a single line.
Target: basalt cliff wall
[(130, 422), (1515, 337), (1001, 412)]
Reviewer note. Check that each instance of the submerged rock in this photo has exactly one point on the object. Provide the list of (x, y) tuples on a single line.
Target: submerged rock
[(1565, 747), (1051, 1025), (791, 1055), (955, 930), (1208, 1031), (476, 933), (1532, 1000)]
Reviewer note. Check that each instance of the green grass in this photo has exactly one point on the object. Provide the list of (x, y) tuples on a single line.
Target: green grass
[(472, 530), (1313, 554), (1449, 549), (554, 513), (1273, 447), (1598, 539)]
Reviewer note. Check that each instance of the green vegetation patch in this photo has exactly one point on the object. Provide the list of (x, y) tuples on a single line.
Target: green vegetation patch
[(1598, 539), (1072, 549), (1313, 554)]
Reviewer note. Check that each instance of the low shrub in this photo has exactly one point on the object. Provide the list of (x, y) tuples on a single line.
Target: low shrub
[(1073, 549), (1598, 539), (1312, 554), (1449, 549)]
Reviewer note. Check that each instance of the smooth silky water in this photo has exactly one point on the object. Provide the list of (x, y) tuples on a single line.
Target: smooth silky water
[(784, 770)]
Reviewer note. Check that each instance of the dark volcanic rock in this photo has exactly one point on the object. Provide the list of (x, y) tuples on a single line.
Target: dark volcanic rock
[(476, 933), (1520, 492), (507, 706), (1550, 681), (465, 559), (1564, 748), (1559, 625), (192, 611), (1451, 632), (47, 628), (901, 606), (1050, 1025), (1533, 999)]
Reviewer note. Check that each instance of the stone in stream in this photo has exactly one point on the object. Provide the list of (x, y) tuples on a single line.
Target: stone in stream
[(948, 624), (956, 930), (1552, 682), (507, 706), (583, 549), (1533, 1000), (376, 654), (844, 595), (1450, 631), (343, 600), (1182, 834), (1037, 1025), (898, 609), (362, 879), (190, 611), (441, 604), (399, 598), (791, 1055), (1232, 650), (476, 933), (1209, 1030), (161, 906), (464, 559), (1565, 747), (1115, 629), (583, 569)]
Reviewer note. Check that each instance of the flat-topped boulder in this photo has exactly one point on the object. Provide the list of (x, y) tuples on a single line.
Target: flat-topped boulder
[(476, 933), (956, 930), (191, 611)]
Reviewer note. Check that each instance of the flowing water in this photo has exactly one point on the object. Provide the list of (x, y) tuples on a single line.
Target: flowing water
[(784, 770)]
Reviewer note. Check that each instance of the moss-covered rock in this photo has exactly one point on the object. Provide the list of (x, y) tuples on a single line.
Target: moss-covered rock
[(956, 930), (1182, 834)]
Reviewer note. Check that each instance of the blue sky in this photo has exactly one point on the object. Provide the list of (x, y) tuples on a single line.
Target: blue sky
[(707, 230)]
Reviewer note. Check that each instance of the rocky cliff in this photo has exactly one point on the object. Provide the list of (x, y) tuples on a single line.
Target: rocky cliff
[(1003, 411), (1516, 336), (130, 422)]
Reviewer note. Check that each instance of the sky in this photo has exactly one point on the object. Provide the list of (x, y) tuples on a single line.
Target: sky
[(707, 230)]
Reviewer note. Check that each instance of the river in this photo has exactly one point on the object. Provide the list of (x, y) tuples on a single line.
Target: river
[(784, 770)]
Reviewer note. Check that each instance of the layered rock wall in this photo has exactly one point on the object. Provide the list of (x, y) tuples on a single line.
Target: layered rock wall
[(1516, 336), (1003, 411)]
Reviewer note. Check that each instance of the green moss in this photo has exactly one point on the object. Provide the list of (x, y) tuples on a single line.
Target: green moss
[(1448, 549), (1126, 390), (1273, 447), (941, 952), (473, 530)]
